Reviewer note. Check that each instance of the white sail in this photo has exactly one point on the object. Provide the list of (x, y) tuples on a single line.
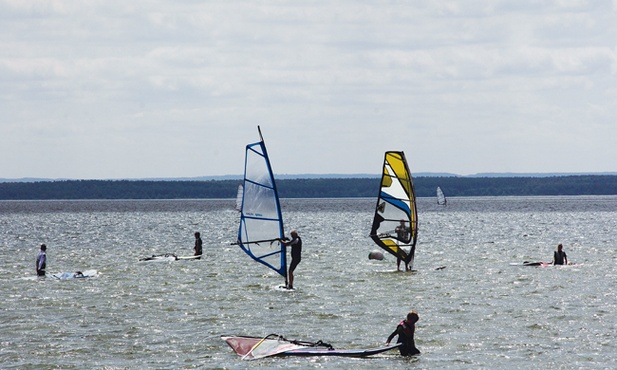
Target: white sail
[(239, 197), (441, 198)]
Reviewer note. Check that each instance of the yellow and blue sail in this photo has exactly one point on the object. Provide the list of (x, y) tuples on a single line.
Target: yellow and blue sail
[(395, 221), (261, 221)]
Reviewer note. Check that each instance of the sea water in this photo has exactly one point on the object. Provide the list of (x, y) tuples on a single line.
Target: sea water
[(476, 310)]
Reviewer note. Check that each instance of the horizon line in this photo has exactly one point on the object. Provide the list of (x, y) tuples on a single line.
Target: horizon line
[(317, 176)]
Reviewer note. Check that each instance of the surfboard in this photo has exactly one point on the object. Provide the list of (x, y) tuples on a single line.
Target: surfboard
[(75, 275), (167, 257), (189, 257), (340, 352), (530, 263)]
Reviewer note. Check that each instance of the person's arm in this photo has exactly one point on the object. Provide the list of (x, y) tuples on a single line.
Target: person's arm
[(394, 333), (290, 242), (565, 258)]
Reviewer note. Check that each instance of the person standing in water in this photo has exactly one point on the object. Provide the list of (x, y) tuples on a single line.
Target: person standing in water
[(405, 331), (560, 257), (402, 233), (41, 261), (198, 245), (296, 256)]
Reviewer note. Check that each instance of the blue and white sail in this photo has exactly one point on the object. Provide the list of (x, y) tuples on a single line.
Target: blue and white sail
[(261, 221)]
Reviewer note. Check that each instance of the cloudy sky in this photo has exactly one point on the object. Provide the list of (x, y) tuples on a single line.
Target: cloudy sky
[(139, 89)]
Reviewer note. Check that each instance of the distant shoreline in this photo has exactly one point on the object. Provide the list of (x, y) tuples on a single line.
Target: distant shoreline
[(307, 187)]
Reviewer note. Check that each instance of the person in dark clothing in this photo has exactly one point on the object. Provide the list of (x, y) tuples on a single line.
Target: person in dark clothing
[(198, 245), (402, 232), (560, 257), (296, 255), (405, 331), (41, 261)]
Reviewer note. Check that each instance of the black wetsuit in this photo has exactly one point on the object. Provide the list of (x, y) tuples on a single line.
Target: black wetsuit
[(405, 334), (296, 252), (559, 257), (198, 246)]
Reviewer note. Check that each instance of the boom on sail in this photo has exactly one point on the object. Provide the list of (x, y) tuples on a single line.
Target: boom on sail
[(395, 222), (261, 221)]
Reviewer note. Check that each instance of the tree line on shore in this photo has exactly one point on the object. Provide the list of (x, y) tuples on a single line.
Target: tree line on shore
[(308, 187)]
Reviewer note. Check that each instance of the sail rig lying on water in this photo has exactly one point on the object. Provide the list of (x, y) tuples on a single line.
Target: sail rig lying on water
[(261, 222), (441, 197), (251, 348), (395, 223)]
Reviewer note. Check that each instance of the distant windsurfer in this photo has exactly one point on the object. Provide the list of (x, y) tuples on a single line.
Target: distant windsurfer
[(198, 245), (559, 256), (41, 261), (296, 255), (402, 233), (405, 331)]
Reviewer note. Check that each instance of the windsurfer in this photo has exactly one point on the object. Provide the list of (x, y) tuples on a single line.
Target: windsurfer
[(198, 245), (405, 331), (41, 261), (296, 255), (402, 232), (559, 256)]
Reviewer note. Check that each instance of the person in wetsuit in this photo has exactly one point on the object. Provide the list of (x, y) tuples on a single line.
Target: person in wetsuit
[(560, 257), (405, 331), (198, 245), (41, 261), (402, 233), (296, 255)]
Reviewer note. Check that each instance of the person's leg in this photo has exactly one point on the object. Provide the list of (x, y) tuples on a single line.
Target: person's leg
[(291, 279)]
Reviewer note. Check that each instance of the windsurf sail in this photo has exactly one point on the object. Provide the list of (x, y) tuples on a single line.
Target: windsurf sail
[(251, 348), (395, 223), (261, 221), (239, 196), (441, 198)]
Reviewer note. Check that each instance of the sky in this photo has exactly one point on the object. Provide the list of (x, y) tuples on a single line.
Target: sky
[(153, 89)]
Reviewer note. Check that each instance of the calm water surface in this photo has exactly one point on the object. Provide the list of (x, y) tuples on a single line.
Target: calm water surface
[(477, 312)]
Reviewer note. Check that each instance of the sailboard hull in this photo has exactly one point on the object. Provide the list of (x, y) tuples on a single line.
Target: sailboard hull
[(243, 346), (531, 264), (168, 257), (540, 264), (340, 352), (75, 275)]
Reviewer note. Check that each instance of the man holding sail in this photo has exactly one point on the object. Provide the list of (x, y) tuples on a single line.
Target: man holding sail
[(296, 255), (402, 233)]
